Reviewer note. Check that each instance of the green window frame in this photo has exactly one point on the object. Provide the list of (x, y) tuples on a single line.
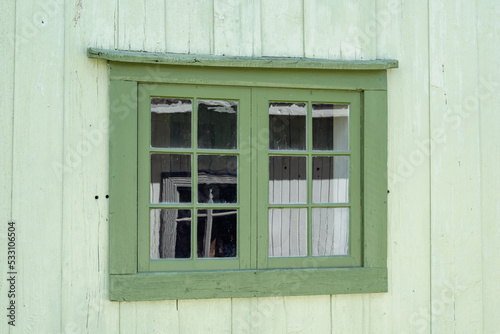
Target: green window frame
[(136, 77)]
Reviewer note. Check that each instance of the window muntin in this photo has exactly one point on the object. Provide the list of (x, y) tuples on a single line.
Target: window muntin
[(198, 212), (126, 283), (313, 200), (191, 214)]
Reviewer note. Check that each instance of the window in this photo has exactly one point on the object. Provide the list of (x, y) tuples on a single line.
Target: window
[(246, 177)]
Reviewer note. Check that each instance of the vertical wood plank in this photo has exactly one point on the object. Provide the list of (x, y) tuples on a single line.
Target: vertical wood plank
[(488, 33), (347, 314), (84, 296), (190, 26), (456, 234), (237, 28), (131, 18), (282, 28), (339, 29), (37, 183), (141, 25), (149, 317), (308, 314), (402, 33), (205, 316), (7, 61), (154, 25)]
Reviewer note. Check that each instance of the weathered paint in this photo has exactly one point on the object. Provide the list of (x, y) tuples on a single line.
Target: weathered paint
[(443, 250)]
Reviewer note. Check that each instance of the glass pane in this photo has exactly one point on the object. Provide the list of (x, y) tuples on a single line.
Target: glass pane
[(330, 231), (170, 178), (287, 126), (330, 127), (287, 232), (287, 179), (217, 178), (330, 179), (217, 124), (170, 122), (217, 233), (170, 234)]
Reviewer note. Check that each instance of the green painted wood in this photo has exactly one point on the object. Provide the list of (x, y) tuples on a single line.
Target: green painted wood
[(375, 178), (123, 177), (264, 96), (233, 61), (254, 147), (242, 95), (257, 77), (247, 283)]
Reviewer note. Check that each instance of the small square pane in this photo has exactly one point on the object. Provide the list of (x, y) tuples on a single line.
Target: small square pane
[(330, 126), (170, 122), (217, 179), (330, 231), (217, 233), (217, 124), (287, 179), (170, 234), (287, 232), (287, 126), (170, 178), (330, 182)]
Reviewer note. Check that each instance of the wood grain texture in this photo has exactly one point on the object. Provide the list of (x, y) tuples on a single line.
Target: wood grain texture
[(84, 296), (212, 316), (339, 30), (402, 32), (7, 86), (488, 32), (456, 234), (237, 28), (190, 26), (37, 199), (247, 283), (149, 317), (282, 28), (136, 57), (446, 200)]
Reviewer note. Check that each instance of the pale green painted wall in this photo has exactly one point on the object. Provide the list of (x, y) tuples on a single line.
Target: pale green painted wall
[(444, 148)]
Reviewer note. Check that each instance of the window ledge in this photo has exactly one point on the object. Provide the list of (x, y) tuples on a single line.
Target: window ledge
[(231, 61), (247, 283)]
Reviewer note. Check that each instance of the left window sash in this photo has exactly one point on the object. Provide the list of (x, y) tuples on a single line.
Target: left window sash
[(199, 153)]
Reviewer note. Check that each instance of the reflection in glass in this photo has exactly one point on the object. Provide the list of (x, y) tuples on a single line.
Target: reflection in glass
[(217, 178), (287, 232), (287, 179), (330, 127), (330, 179), (170, 178), (217, 233), (287, 126), (170, 122), (330, 231), (170, 234), (217, 124)]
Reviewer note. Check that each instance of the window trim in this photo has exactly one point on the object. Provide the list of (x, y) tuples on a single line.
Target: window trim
[(128, 69)]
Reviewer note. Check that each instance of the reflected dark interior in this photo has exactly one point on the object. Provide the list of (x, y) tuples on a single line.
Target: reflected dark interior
[(183, 238), (223, 234), (216, 129), (287, 132)]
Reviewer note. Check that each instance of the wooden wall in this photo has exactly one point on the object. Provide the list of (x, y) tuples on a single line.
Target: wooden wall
[(444, 148)]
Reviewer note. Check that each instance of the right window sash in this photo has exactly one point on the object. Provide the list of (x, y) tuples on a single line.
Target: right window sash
[(309, 202)]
